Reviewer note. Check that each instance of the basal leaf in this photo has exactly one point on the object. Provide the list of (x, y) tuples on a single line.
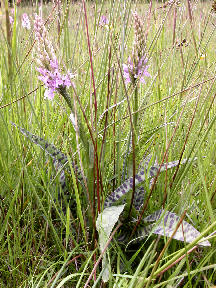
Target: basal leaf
[(60, 159), (60, 162), (44, 145), (140, 177), (127, 186), (139, 197), (62, 178), (167, 224), (105, 224)]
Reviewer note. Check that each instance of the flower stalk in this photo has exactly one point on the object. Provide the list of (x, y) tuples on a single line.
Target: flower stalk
[(50, 73), (136, 68), (54, 81)]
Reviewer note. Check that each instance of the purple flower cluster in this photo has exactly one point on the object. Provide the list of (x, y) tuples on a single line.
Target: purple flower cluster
[(53, 80), (26, 22), (48, 64), (132, 72)]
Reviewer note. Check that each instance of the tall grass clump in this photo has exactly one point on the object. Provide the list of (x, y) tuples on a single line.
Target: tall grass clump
[(107, 144)]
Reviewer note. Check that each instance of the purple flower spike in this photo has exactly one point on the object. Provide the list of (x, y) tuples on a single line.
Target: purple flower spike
[(26, 22), (132, 72), (48, 64), (136, 67), (126, 73), (103, 21)]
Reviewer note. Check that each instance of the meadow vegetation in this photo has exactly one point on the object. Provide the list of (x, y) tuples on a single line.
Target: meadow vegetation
[(97, 101)]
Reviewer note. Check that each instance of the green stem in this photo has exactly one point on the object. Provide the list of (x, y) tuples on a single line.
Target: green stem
[(132, 163), (62, 90), (135, 126), (135, 108), (89, 151)]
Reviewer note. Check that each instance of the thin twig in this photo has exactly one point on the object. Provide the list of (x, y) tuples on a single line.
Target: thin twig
[(101, 255), (95, 104)]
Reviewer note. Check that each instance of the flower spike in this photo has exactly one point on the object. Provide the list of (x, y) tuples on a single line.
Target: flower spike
[(48, 65), (136, 67)]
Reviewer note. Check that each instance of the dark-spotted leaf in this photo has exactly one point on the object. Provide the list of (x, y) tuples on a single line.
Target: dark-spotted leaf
[(167, 224), (140, 177), (60, 159), (139, 197), (44, 145)]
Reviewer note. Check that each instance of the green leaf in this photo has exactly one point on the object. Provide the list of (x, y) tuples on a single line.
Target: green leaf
[(140, 177), (60, 159), (60, 163), (50, 149), (166, 225), (105, 224), (139, 198)]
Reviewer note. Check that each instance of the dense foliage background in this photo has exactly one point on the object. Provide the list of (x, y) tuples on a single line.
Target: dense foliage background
[(48, 235)]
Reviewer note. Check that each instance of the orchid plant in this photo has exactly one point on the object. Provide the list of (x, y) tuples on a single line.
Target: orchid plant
[(115, 205)]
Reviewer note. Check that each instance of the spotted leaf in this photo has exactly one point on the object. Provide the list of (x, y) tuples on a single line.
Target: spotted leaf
[(166, 225), (60, 159), (139, 197), (140, 177)]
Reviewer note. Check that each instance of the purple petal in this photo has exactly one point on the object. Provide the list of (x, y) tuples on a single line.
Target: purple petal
[(103, 21), (49, 93), (125, 68), (54, 64)]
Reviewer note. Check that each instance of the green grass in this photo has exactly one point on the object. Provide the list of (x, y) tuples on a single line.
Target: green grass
[(45, 245)]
